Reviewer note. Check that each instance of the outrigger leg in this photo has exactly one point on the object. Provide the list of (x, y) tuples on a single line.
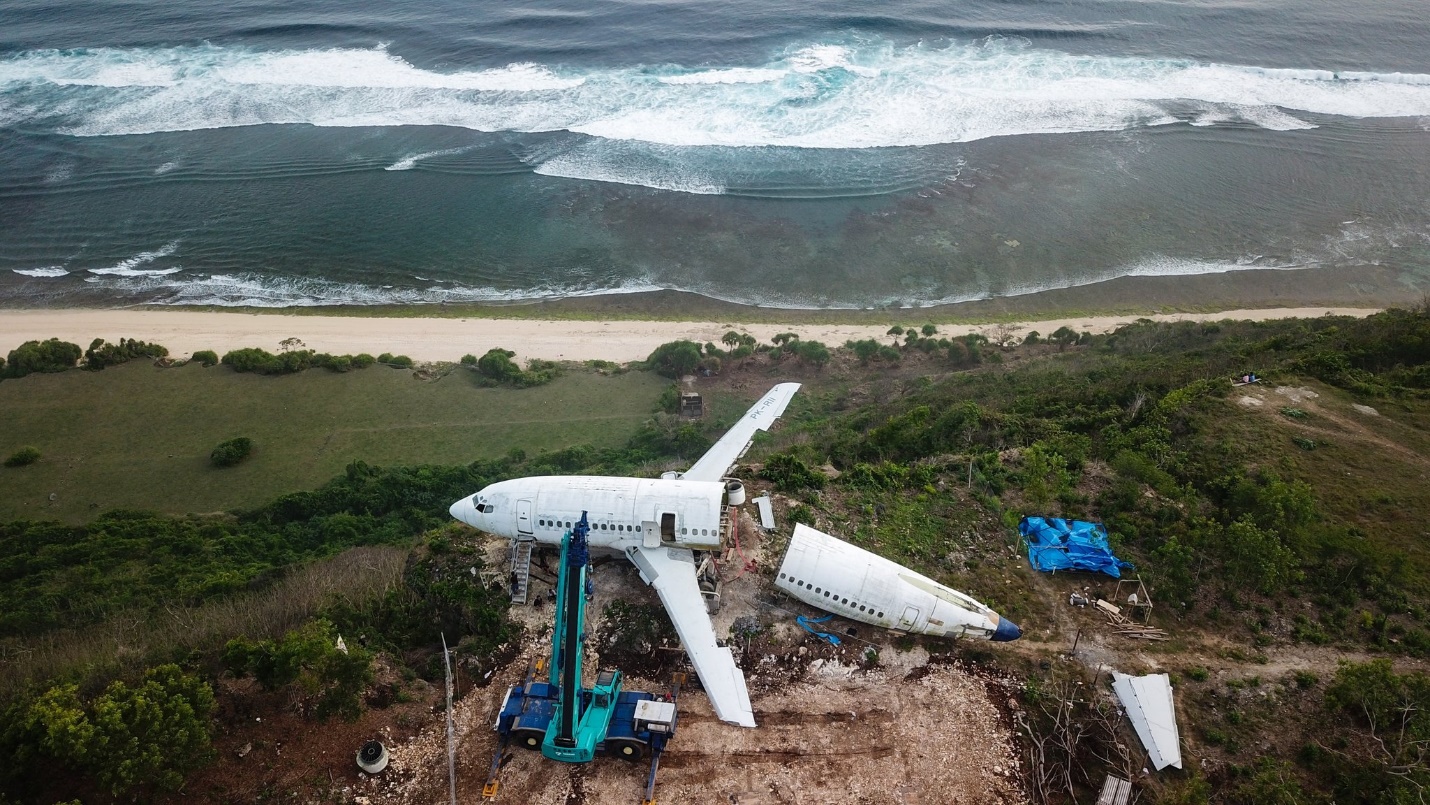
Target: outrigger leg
[(658, 747), (501, 756)]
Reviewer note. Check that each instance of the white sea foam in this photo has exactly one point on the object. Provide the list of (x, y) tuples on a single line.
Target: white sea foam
[(129, 267), (864, 94), (47, 271), (255, 290), (409, 162), (165, 168), (598, 165)]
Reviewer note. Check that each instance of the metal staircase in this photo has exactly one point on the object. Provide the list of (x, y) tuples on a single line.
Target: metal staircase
[(520, 570)]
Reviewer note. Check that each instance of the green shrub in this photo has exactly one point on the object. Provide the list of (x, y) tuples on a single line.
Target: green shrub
[(206, 356), (231, 452), (789, 474), (128, 738), (362, 360), (812, 352), (385, 357), (674, 359), (469, 359), (400, 362), (102, 354), (497, 366), (53, 355), (23, 457), (331, 679)]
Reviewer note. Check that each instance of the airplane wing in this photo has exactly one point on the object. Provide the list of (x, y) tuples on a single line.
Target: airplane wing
[(719, 459), (671, 571)]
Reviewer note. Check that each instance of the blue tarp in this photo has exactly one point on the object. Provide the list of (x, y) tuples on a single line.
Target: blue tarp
[(1058, 544), (808, 627)]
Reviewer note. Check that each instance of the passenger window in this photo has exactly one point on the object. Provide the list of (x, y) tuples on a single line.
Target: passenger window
[(826, 593), (881, 614), (782, 575), (682, 532), (638, 529), (799, 584)]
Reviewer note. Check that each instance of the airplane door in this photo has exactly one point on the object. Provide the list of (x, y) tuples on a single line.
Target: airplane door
[(909, 618), (523, 517)]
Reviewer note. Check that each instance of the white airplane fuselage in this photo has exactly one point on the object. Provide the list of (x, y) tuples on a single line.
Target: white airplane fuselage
[(650, 512), (842, 578)]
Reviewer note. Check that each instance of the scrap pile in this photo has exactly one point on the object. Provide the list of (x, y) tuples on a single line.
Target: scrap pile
[(1125, 626)]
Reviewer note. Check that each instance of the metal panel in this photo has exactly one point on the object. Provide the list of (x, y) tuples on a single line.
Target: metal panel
[(1115, 791), (767, 513)]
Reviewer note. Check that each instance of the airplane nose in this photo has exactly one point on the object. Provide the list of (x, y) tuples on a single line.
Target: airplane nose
[(464, 510), (1006, 632)]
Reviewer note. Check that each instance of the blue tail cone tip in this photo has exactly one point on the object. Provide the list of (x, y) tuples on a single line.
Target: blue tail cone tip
[(1006, 632)]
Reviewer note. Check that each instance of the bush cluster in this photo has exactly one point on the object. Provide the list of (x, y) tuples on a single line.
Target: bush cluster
[(131, 740), (102, 354), (258, 361), (498, 367), (329, 678)]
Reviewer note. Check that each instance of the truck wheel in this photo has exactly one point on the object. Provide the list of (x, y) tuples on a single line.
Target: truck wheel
[(528, 739), (628, 750)]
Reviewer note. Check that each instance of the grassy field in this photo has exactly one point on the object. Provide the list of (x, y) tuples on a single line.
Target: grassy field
[(139, 436)]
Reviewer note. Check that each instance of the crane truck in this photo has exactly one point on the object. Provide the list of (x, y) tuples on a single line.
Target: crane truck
[(571, 723)]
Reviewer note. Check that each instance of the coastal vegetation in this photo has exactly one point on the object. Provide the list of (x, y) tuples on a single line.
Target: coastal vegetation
[(1256, 549), (52, 355)]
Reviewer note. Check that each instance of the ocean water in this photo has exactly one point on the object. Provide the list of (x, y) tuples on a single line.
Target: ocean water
[(773, 153)]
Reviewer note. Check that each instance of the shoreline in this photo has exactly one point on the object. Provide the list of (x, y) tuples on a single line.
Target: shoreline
[(429, 338)]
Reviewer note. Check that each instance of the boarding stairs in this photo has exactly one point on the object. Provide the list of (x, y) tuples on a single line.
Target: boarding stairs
[(520, 570)]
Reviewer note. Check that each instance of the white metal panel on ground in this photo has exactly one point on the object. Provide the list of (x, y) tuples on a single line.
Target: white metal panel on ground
[(1148, 701), (767, 512), (1115, 791)]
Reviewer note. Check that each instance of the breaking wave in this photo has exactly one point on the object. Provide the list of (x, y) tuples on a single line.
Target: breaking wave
[(860, 93), (129, 267), (47, 271)]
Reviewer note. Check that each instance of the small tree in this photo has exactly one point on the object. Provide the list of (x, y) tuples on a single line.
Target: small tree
[(674, 359), (928, 330), (231, 452), (730, 339), (498, 365), (207, 357), (1064, 337)]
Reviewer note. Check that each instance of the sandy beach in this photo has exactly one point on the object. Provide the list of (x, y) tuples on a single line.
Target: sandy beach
[(448, 339)]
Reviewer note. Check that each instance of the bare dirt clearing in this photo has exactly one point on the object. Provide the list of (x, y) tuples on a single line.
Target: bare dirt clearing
[(833, 725)]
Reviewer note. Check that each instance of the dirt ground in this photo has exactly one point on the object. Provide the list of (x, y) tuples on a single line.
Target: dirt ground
[(834, 726)]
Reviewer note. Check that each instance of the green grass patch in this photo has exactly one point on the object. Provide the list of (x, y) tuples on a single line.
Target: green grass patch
[(140, 436)]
